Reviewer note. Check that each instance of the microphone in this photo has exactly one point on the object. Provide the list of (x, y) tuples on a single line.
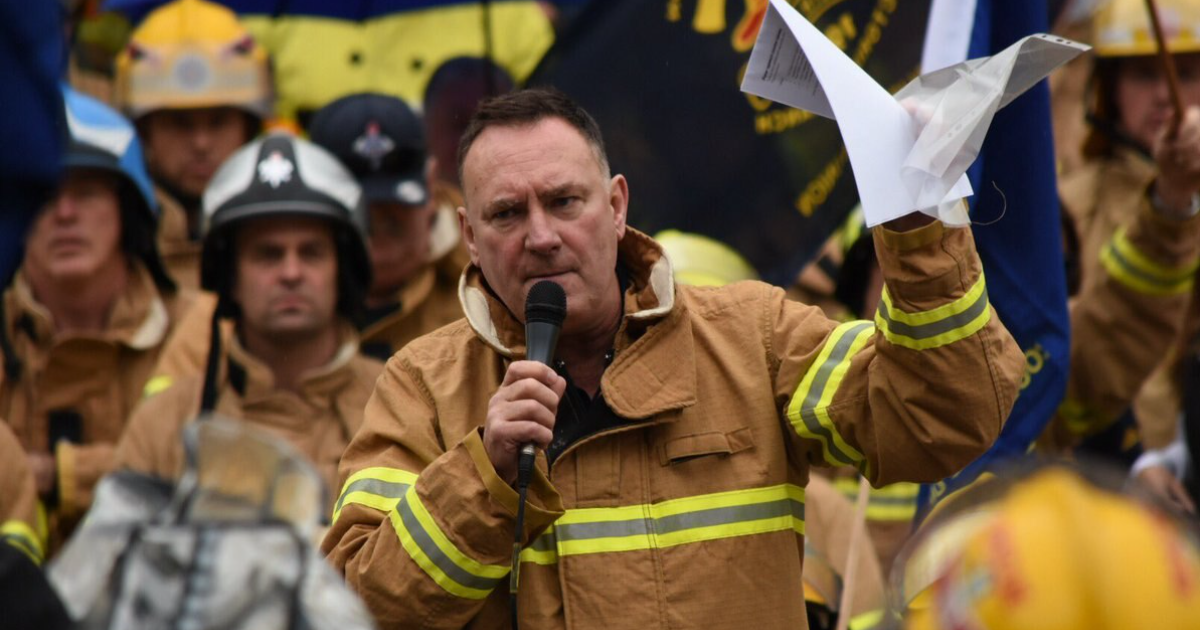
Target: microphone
[(545, 310)]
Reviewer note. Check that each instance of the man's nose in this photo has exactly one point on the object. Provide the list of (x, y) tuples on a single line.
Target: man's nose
[(542, 235), (291, 268), (65, 208)]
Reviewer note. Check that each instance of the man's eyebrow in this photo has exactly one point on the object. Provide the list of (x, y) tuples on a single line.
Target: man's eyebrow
[(560, 191), (504, 203)]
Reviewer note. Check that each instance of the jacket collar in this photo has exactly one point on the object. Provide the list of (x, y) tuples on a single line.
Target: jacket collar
[(139, 318), (255, 382), (653, 369)]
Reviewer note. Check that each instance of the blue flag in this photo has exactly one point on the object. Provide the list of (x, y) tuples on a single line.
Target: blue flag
[(1015, 216)]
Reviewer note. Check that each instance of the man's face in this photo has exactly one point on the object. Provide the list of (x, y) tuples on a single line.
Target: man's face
[(286, 277), (399, 243), (1143, 98), (539, 206), (184, 147), (77, 234)]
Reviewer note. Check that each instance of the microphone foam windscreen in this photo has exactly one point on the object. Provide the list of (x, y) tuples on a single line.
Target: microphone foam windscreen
[(546, 302)]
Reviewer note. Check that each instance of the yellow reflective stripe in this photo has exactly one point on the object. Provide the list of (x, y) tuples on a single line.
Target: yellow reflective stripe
[(867, 620), (444, 563), (1134, 269), (156, 384), (22, 536), (671, 523), (808, 409), (378, 488), (937, 327), (893, 502)]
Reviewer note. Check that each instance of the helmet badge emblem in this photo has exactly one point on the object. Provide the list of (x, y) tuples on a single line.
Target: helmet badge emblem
[(275, 170), (373, 145)]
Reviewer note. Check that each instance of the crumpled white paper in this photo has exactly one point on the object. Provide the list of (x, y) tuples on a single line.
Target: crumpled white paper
[(909, 152)]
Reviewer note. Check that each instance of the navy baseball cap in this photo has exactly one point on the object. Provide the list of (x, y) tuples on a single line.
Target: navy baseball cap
[(381, 140)]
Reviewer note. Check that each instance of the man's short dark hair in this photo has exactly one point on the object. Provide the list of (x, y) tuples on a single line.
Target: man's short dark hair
[(527, 107)]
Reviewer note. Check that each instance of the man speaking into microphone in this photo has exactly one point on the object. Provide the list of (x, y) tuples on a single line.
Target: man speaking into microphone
[(677, 425)]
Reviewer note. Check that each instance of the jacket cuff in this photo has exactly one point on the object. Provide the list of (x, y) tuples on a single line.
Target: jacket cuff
[(1170, 242), (80, 467), (925, 268), (543, 505)]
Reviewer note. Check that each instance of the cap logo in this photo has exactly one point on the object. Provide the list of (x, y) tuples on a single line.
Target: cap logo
[(191, 73), (275, 170), (409, 192), (373, 145)]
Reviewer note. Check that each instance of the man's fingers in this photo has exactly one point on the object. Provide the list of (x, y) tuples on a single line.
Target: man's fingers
[(525, 410), (541, 372), (530, 389), (1180, 495), (518, 433)]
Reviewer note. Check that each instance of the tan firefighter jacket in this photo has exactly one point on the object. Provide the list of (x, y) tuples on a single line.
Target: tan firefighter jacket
[(692, 513), (179, 252), (318, 422), (430, 300), (22, 521), (81, 388), (1138, 271)]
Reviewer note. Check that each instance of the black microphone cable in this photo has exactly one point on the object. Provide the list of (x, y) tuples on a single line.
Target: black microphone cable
[(524, 472), (545, 311)]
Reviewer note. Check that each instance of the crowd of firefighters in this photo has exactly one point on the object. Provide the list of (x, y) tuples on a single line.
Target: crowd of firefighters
[(230, 237)]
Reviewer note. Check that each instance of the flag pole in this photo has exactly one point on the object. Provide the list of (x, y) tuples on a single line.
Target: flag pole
[(1168, 66)]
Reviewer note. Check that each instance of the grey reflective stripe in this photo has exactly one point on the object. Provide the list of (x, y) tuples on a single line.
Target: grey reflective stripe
[(434, 553), (679, 522), (545, 542), (387, 489), (1166, 282), (933, 329), (731, 514), (808, 409)]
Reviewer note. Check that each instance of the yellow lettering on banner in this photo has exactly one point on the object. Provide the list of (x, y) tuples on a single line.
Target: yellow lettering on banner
[(779, 120), (710, 17), (814, 9), (879, 19), (842, 31), (747, 28), (819, 188), (1035, 361), (674, 10)]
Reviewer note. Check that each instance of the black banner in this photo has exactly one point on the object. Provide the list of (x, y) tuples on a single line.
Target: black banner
[(662, 77)]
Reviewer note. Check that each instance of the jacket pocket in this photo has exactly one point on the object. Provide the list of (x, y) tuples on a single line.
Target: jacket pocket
[(688, 447)]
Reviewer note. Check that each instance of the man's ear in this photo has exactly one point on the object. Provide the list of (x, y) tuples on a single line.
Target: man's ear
[(468, 234), (618, 198)]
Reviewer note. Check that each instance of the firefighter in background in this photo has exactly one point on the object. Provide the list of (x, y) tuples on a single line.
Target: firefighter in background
[(86, 315), (1133, 205), (198, 87), (1052, 548), (285, 252), (416, 250)]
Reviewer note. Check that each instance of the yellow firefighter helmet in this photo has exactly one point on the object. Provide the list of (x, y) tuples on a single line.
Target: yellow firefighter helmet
[(190, 54), (1122, 28), (1059, 553), (704, 262)]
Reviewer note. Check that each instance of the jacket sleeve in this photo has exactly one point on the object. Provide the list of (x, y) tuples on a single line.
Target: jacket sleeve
[(22, 521), (915, 395), (1125, 323), (423, 532), (152, 441)]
